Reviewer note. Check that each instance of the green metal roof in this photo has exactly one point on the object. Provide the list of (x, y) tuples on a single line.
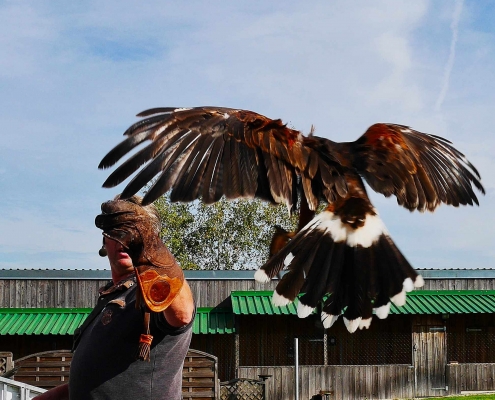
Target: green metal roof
[(64, 321), (447, 302), (259, 302), (41, 321), (418, 302), (213, 320)]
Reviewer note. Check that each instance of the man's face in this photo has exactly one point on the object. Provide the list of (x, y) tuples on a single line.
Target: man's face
[(117, 256)]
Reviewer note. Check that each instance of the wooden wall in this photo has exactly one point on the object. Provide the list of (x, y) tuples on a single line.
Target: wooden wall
[(70, 293), (459, 284), (74, 293), (49, 293), (343, 382), (470, 377), (210, 293)]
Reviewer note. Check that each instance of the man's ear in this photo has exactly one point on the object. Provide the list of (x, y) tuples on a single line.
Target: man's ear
[(103, 251)]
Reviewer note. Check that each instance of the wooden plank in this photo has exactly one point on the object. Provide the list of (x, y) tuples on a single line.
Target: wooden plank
[(199, 364), (44, 384), (57, 364), (196, 384), (41, 373), (198, 374), (195, 395)]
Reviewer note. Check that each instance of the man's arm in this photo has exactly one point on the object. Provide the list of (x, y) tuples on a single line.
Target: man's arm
[(180, 311), (57, 393)]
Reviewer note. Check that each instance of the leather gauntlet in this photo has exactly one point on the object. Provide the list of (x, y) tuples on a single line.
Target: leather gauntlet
[(159, 276)]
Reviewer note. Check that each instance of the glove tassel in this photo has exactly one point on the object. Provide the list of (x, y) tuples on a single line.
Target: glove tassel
[(145, 340)]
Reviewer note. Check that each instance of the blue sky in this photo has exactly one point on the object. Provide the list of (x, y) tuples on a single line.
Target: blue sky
[(74, 74)]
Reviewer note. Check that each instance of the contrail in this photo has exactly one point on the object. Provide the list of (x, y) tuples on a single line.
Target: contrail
[(450, 62)]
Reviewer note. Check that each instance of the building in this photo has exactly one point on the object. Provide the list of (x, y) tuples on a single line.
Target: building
[(441, 342)]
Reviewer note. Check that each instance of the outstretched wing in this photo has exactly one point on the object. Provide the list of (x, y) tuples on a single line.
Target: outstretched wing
[(345, 251), (207, 152), (421, 170)]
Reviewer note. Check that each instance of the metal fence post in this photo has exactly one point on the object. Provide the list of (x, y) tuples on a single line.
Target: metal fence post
[(296, 360)]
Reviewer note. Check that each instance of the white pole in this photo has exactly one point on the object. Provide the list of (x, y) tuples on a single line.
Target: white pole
[(296, 360)]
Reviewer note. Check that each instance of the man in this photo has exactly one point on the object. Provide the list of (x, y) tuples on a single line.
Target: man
[(133, 344)]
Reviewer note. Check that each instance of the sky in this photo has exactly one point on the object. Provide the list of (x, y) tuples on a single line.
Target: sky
[(73, 75)]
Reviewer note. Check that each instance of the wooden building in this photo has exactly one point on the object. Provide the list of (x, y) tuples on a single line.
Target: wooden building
[(441, 342)]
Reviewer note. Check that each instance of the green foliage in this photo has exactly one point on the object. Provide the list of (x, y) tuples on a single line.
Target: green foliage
[(225, 235)]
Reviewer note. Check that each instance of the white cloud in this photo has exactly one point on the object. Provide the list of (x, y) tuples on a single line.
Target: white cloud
[(73, 75)]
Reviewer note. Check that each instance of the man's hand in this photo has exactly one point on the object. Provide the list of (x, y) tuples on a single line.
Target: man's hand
[(57, 393)]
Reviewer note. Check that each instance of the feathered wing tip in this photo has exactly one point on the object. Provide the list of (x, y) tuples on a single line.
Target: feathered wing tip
[(421, 170), (261, 276), (360, 269)]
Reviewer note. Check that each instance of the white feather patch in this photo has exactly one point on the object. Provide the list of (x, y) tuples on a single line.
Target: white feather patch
[(279, 300), (288, 259), (353, 324), (383, 311), (182, 109), (303, 310), (408, 285), (261, 276), (328, 319), (419, 281), (327, 221), (365, 323), (365, 236), (399, 299), (368, 234)]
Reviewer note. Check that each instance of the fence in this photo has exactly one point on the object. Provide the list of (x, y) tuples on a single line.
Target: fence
[(199, 376), (13, 390), (46, 369), (244, 389), (6, 362), (342, 382)]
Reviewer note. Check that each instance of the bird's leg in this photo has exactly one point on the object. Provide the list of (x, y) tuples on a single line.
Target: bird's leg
[(281, 237)]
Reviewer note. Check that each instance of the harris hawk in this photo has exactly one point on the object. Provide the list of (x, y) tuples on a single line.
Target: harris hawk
[(343, 257)]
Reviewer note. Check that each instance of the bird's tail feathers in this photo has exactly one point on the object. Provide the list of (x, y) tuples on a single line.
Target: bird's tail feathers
[(352, 271)]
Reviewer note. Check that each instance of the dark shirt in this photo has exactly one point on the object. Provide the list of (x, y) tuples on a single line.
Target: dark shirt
[(104, 365)]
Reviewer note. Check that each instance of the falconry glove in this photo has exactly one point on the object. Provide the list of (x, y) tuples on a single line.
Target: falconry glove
[(158, 275)]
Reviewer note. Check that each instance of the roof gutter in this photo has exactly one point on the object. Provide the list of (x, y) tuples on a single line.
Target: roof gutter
[(104, 274)]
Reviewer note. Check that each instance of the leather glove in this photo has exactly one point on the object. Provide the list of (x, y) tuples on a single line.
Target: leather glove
[(159, 276)]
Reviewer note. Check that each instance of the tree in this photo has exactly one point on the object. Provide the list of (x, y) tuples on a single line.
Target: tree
[(225, 235)]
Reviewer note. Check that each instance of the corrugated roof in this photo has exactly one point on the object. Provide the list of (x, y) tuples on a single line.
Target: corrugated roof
[(213, 321), (64, 321), (418, 302), (41, 321), (259, 302), (448, 302)]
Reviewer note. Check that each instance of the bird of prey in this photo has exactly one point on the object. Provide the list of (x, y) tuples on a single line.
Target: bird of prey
[(342, 258)]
